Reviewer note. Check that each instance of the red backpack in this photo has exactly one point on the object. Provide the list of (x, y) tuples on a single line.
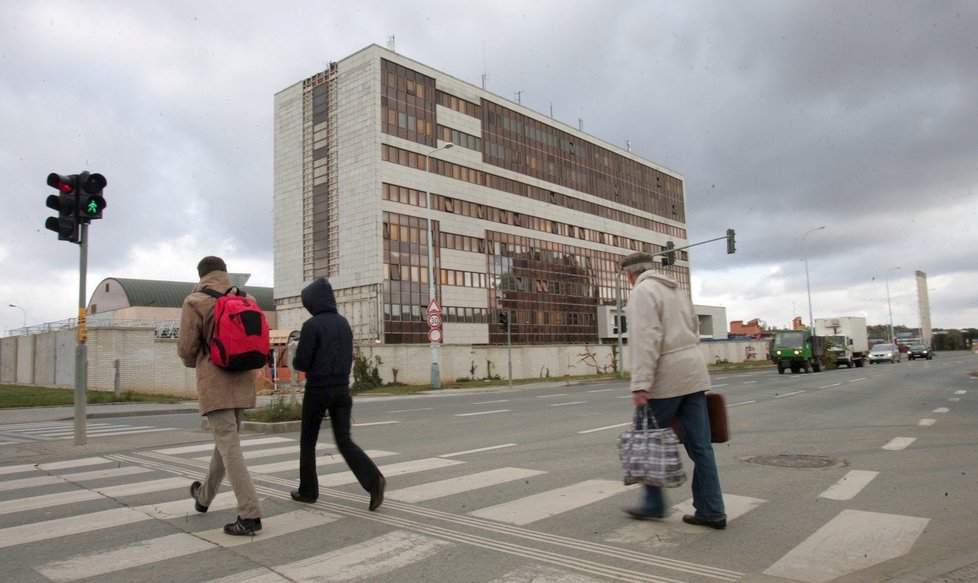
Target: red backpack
[(240, 339)]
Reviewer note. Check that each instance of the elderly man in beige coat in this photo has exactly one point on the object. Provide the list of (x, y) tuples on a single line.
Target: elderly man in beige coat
[(223, 395), (669, 375)]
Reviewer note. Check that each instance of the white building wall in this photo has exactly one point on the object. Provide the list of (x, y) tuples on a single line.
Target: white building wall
[(287, 192)]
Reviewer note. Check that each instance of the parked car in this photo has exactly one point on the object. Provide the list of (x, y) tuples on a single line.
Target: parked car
[(919, 351), (884, 353)]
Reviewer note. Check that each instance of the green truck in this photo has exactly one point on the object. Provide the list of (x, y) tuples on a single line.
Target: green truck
[(797, 350)]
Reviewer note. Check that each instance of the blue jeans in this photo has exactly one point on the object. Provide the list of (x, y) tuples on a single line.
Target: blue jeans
[(694, 430)]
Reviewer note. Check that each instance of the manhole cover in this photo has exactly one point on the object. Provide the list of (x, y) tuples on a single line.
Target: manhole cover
[(795, 461)]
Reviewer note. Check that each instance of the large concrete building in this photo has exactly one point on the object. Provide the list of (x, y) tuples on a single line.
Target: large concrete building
[(529, 215)]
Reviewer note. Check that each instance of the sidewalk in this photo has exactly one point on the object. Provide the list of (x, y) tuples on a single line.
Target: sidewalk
[(92, 411)]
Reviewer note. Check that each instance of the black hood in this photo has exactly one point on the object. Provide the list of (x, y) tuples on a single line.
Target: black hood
[(317, 297)]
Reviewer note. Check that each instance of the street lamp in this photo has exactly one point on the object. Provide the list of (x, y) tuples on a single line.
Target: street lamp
[(886, 277), (435, 374), (811, 321), (22, 313)]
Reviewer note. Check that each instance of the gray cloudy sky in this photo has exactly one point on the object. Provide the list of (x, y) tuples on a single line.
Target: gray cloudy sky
[(782, 115)]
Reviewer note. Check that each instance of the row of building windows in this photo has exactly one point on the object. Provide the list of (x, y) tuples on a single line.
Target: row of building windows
[(458, 104), (444, 168), (526, 145), (468, 141), (447, 204)]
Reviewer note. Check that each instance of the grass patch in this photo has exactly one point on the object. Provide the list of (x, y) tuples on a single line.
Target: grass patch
[(21, 396), (282, 408)]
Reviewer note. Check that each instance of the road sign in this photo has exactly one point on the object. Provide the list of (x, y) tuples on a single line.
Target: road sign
[(434, 320), (433, 307), (434, 335)]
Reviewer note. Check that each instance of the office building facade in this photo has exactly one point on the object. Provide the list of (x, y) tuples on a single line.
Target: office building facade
[(530, 216)]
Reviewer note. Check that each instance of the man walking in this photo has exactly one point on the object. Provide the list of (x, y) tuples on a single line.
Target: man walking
[(669, 374), (223, 395), (325, 354)]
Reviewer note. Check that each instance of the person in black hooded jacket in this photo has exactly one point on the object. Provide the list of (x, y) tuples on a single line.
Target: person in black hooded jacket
[(325, 354)]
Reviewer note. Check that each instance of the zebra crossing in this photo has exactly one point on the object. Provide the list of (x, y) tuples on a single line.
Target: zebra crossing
[(55, 430), (142, 497)]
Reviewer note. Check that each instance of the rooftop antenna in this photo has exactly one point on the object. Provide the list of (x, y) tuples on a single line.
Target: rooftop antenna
[(518, 94), (485, 73), (628, 145), (390, 44)]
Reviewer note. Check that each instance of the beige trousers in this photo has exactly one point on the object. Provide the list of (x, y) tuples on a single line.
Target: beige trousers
[(227, 458)]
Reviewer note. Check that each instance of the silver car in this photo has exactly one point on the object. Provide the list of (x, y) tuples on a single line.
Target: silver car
[(884, 353)]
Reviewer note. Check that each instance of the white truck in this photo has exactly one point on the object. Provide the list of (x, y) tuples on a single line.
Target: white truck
[(849, 339)]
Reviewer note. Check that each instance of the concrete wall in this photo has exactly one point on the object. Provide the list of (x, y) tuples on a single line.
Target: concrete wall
[(149, 364)]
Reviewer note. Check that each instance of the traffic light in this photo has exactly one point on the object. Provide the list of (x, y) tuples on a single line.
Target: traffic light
[(731, 244), (90, 199), (670, 257), (504, 320), (66, 224)]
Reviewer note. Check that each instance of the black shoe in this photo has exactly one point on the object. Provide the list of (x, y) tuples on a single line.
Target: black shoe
[(243, 527), (193, 494), (719, 524), (377, 494), (301, 498), (643, 514)]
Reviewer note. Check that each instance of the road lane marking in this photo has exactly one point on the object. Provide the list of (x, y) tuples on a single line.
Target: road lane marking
[(601, 390), (375, 423), (551, 503), (293, 464), (789, 394), (412, 410), (553, 395), (740, 403), (830, 386), (565, 404), (399, 469), (483, 413), (480, 450), (851, 541), (941, 410), (850, 485), (279, 524), (954, 399), (926, 422), (718, 386), (373, 558), (605, 427), (210, 446), (491, 402), (69, 464), (452, 486), (898, 443), (18, 469), (856, 380), (960, 392)]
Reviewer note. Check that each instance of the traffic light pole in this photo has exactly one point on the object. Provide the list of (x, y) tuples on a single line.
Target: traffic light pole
[(81, 349), (509, 347)]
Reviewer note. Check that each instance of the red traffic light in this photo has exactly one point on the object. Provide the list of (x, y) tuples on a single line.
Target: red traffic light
[(63, 183)]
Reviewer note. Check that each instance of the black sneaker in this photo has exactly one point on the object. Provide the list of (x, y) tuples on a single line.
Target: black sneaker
[(301, 498), (243, 527), (643, 514), (719, 524), (193, 494), (377, 494)]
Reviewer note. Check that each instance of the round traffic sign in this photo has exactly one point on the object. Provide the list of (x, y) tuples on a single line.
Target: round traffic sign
[(434, 335), (434, 320)]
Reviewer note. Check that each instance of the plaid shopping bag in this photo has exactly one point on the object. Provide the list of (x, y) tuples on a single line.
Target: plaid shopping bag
[(650, 456)]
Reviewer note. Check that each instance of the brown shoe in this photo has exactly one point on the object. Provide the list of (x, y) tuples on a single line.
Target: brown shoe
[(377, 494)]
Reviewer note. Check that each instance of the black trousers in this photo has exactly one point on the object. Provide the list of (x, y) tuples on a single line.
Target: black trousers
[(339, 404)]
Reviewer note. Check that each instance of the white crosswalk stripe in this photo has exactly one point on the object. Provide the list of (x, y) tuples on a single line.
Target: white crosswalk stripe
[(51, 431)]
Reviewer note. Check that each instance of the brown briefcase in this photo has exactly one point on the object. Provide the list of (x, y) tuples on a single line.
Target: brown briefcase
[(716, 407)]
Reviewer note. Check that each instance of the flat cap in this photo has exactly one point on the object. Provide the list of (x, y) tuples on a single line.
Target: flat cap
[(636, 258)]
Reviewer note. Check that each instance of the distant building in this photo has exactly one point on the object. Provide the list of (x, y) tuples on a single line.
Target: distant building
[(746, 330), (530, 216)]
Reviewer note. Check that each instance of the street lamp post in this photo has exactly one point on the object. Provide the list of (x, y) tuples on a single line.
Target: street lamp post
[(808, 285), (22, 313), (889, 306), (435, 373)]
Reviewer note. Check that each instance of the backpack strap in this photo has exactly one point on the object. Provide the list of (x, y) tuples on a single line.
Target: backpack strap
[(212, 293)]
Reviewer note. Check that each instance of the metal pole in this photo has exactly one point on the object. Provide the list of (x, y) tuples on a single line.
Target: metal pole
[(81, 349), (435, 373), (23, 313), (509, 345), (811, 320), (618, 321)]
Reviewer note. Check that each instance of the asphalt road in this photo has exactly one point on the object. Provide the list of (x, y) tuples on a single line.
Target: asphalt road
[(852, 475)]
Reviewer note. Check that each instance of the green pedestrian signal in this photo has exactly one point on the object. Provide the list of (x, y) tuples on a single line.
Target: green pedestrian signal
[(91, 202)]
